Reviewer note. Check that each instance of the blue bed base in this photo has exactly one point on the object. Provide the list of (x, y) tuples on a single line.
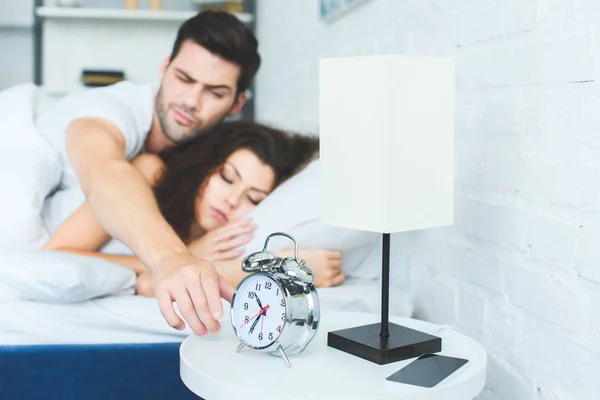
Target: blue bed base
[(98, 371)]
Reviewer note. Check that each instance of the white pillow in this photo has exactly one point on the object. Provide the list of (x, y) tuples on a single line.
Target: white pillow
[(58, 277), (354, 244), (17, 105), (294, 208), (29, 170)]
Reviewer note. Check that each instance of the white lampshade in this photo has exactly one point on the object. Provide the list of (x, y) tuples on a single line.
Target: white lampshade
[(387, 142)]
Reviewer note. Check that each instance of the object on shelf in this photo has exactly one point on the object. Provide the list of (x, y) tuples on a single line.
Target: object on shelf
[(98, 77), (155, 4), (233, 6), (132, 4), (67, 3)]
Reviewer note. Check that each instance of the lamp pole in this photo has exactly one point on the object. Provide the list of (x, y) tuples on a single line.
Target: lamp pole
[(385, 286)]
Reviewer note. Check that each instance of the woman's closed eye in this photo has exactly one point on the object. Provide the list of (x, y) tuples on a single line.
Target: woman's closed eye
[(255, 201), (225, 177), (256, 196)]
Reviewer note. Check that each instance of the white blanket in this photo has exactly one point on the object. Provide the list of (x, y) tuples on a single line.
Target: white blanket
[(29, 170)]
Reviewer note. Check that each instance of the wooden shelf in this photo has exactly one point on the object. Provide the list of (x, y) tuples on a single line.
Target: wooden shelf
[(122, 14)]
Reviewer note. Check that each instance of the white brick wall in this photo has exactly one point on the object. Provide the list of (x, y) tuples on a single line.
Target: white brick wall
[(520, 269)]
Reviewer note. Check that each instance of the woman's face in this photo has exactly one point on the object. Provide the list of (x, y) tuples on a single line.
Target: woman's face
[(233, 190)]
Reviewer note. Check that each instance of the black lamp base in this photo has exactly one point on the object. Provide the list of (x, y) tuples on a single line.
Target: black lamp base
[(401, 344)]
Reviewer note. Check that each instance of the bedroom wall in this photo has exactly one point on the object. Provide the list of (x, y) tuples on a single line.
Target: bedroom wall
[(16, 53), (16, 42), (520, 269), (16, 35)]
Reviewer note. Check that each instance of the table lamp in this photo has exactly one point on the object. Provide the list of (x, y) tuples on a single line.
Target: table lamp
[(387, 165)]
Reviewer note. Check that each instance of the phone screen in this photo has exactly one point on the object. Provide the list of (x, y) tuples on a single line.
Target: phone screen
[(427, 370)]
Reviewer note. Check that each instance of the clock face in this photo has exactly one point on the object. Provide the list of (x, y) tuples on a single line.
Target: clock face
[(259, 311)]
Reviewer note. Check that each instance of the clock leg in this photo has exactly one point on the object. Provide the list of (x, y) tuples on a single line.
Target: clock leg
[(284, 356), (240, 348)]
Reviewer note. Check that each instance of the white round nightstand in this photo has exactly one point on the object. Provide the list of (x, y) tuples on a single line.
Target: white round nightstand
[(211, 368)]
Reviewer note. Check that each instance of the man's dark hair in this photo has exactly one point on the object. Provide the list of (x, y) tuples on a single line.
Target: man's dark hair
[(224, 35)]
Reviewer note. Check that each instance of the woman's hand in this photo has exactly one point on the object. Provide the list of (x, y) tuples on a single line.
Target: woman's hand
[(143, 285), (325, 264), (218, 245)]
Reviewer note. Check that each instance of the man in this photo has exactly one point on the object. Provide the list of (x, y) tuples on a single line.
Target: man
[(97, 132)]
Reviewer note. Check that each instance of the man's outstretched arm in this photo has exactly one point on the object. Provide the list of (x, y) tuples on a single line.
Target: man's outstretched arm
[(123, 202)]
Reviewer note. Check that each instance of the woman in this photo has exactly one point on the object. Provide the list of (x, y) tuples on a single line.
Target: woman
[(204, 189)]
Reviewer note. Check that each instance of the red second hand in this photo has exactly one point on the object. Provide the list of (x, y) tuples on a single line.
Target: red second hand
[(255, 315)]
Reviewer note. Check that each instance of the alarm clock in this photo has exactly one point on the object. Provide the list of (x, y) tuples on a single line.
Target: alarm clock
[(275, 308)]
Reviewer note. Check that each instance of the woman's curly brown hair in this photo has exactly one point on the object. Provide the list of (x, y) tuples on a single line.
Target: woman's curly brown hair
[(189, 165)]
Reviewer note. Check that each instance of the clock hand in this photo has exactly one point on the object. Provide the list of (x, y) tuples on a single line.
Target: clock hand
[(262, 314), (262, 321), (255, 322), (258, 300), (262, 310)]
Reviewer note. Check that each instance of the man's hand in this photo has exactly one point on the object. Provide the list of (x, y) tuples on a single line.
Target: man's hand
[(197, 289), (122, 200)]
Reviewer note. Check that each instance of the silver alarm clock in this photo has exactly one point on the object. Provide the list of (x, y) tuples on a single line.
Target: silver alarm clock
[(275, 309)]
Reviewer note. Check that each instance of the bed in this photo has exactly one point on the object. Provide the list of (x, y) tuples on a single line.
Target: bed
[(110, 348), (118, 346), (71, 326)]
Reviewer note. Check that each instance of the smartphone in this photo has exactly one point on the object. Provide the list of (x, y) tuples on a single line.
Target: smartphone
[(427, 370)]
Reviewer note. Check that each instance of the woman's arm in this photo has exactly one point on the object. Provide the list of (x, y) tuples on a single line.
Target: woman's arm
[(81, 233), (231, 270), (131, 262), (326, 266)]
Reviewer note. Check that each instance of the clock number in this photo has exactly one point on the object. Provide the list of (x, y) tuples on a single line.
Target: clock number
[(250, 295), (246, 318), (245, 306), (283, 316), (277, 294), (260, 336), (270, 335), (279, 329), (282, 302), (257, 287), (268, 285)]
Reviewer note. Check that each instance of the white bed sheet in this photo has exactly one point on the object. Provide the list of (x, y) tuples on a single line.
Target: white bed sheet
[(135, 319)]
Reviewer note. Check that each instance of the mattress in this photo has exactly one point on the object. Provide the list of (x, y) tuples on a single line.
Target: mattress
[(119, 346), (92, 371), (135, 319)]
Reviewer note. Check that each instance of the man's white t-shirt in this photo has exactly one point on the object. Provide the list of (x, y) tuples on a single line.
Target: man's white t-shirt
[(127, 105)]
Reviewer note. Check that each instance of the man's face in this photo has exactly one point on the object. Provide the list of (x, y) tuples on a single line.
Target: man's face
[(197, 91)]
